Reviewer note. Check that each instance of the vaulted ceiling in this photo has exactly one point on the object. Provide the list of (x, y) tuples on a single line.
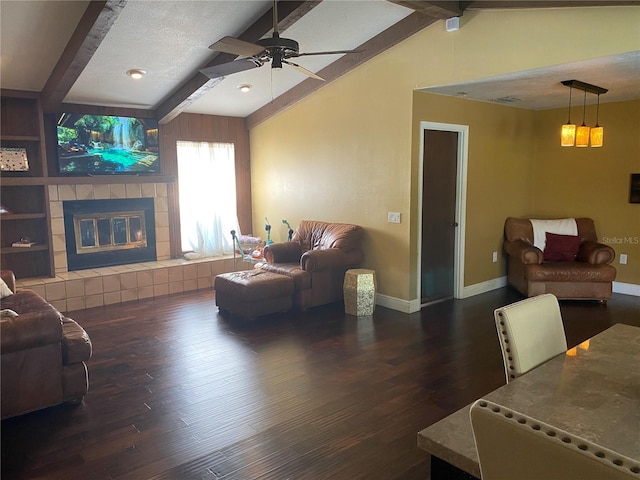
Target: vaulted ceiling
[(77, 52)]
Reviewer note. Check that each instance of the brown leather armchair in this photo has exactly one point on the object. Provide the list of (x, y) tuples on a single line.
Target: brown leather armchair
[(43, 354), (316, 258), (589, 276)]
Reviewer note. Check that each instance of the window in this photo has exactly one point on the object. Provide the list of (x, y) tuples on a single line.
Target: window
[(207, 195)]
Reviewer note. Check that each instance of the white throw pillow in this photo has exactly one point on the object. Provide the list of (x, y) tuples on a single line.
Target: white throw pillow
[(5, 291)]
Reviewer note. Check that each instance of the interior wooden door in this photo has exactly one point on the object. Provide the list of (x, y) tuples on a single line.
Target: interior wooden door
[(440, 159)]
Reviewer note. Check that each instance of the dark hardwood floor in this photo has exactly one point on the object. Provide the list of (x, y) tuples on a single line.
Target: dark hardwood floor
[(179, 392)]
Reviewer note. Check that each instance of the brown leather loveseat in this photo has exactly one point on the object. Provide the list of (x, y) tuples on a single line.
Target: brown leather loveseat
[(43, 354), (316, 258), (584, 273)]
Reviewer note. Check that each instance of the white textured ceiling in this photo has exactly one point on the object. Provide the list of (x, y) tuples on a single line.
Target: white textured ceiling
[(170, 39), (542, 89)]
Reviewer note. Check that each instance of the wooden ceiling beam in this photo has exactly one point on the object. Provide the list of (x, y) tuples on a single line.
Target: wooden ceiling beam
[(85, 40), (375, 46), (289, 12), (442, 9), (499, 4)]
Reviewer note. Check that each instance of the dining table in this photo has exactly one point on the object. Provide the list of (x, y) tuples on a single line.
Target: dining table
[(592, 391)]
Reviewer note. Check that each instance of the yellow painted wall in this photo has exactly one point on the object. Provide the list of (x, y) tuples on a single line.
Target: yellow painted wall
[(347, 153), (501, 154), (593, 182)]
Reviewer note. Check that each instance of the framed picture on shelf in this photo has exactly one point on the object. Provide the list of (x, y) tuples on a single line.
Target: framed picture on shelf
[(13, 159)]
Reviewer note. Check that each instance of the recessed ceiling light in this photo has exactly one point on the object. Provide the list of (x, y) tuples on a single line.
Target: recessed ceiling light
[(244, 88), (136, 73)]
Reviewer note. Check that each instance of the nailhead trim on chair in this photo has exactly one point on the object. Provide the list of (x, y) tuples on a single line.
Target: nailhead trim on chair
[(505, 340), (605, 455)]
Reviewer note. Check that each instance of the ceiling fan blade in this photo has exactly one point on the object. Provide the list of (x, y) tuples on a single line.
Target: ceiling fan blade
[(309, 73), (334, 52), (224, 69), (236, 47)]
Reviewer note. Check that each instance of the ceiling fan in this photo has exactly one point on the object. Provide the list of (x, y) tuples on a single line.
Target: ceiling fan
[(276, 49)]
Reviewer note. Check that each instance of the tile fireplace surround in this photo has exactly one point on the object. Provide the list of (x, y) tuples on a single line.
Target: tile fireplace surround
[(80, 289)]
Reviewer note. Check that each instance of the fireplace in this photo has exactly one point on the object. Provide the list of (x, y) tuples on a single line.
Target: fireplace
[(102, 233)]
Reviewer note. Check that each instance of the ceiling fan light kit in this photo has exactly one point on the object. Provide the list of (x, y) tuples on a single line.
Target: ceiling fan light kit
[(583, 135)]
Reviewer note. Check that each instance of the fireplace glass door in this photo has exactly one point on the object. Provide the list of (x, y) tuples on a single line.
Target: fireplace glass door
[(109, 231)]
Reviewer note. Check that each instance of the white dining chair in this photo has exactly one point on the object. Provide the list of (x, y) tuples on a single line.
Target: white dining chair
[(512, 445), (530, 332)]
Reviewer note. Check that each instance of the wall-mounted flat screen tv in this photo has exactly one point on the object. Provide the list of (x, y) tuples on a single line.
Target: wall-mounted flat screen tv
[(107, 145)]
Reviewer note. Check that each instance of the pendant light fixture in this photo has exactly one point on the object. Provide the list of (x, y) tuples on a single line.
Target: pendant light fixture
[(582, 132), (597, 132), (568, 133), (581, 136)]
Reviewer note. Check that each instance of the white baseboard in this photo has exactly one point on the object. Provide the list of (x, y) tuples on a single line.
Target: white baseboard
[(484, 287), (404, 306), (626, 288), (412, 306)]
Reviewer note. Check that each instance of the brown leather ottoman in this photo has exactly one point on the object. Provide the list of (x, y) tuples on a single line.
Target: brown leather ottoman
[(252, 293)]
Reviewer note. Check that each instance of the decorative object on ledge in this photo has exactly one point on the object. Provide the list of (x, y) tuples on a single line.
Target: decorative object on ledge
[(13, 160), (583, 135), (24, 242), (4, 210)]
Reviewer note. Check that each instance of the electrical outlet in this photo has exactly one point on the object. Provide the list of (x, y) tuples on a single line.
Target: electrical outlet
[(623, 259), (495, 257), (393, 217)]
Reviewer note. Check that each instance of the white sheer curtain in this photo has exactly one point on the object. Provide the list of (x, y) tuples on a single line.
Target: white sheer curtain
[(207, 184)]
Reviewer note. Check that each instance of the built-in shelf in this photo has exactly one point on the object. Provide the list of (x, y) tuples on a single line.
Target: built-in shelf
[(25, 193), (32, 248), (20, 138), (22, 216), (97, 180)]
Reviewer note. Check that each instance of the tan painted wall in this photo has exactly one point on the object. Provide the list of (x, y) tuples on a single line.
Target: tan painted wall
[(593, 182), (347, 153), (501, 154)]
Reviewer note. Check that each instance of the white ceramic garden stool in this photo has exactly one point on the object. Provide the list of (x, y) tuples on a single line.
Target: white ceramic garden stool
[(359, 292)]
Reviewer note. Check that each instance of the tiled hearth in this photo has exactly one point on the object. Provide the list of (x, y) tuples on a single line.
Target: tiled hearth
[(79, 289), (70, 291)]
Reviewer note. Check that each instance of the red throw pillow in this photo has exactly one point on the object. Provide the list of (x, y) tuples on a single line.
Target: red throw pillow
[(561, 248)]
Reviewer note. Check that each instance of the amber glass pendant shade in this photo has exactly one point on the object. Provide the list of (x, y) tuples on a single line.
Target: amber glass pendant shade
[(582, 136), (568, 135), (597, 136)]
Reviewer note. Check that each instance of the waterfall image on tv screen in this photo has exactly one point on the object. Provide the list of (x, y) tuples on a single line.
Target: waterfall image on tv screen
[(107, 144)]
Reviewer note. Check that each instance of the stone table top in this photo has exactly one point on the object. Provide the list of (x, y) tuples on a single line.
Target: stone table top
[(592, 391)]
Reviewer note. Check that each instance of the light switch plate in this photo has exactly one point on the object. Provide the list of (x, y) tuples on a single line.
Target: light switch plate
[(393, 217)]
